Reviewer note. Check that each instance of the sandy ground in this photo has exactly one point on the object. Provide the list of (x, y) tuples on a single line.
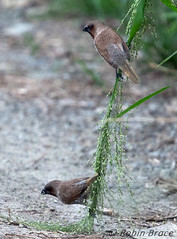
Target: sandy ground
[(50, 110)]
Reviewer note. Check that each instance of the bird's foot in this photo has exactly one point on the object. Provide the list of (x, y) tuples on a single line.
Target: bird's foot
[(119, 75)]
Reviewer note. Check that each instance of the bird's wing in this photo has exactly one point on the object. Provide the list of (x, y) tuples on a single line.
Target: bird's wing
[(125, 48), (72, 190), (101, 47), (118, 40), (110, 45)]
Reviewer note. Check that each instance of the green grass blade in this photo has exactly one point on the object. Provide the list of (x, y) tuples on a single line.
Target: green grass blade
[(169, 4), (139, 102), (138, 20), (174, 53)]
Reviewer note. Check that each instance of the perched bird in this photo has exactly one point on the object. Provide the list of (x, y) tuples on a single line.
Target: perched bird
[(112, 48), (75, 191)]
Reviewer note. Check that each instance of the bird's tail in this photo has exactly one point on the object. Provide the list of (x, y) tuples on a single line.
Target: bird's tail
[(91, 179), (129, 72)]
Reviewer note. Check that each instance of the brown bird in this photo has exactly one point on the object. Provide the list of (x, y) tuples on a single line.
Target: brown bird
[(75, 191), (112, 48)]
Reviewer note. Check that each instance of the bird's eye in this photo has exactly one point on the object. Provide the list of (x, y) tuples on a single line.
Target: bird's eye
[(90, 26)]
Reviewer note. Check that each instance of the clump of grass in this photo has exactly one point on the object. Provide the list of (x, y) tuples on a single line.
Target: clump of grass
[(83, 226)]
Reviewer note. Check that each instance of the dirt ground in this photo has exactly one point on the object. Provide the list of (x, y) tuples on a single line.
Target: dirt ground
[(50, 110)]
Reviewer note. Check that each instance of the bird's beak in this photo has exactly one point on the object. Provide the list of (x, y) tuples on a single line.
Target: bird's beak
[(43, 192), (86, 29)]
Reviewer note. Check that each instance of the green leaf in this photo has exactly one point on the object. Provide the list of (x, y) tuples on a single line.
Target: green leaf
[(138, 20), (169, 4), (166, 59), (139, 102)]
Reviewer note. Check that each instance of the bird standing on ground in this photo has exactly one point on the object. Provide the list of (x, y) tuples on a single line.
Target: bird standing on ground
[(112, 48), (75, 191)]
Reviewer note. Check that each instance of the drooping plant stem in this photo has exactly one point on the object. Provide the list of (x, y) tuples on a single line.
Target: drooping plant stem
[(103, 156)]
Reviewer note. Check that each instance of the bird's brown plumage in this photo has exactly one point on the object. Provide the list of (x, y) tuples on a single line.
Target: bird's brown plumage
[(112, 48), (74, 191)]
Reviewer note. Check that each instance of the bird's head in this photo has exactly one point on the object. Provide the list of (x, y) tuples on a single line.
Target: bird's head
[(51, 188), (94, 28), (90, 28)]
